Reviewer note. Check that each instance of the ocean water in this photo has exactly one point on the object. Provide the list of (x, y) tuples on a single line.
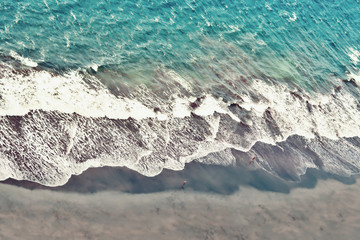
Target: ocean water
[(157, 84)]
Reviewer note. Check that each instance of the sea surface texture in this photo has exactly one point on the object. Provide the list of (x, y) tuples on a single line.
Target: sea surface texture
[(157, 84)]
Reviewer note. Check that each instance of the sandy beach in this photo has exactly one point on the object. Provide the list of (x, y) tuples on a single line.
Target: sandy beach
[(329, 211)]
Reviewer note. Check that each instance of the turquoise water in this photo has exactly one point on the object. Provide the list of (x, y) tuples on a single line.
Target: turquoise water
[(304, 42)]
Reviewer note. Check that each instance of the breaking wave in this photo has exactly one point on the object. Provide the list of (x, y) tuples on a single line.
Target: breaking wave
[(54, 125)]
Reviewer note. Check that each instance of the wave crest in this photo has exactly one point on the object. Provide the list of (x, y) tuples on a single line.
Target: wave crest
[(56, 125)]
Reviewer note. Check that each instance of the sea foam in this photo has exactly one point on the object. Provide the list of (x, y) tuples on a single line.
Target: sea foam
[(55, 125)]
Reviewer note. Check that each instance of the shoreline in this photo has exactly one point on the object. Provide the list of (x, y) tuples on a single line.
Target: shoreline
[(323, 212), (223, 180)]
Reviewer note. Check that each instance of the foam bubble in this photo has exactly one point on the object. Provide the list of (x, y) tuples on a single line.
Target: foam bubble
[(293, 17), (23, 60), (181, 108), (354, 55), (353, 75), (94, 67)]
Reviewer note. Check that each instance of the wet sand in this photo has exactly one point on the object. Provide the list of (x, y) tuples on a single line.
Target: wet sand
[(200, 177), (331, 210)]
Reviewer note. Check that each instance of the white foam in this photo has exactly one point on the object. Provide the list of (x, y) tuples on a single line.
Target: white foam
[(249, 105), (46, 4), (73, 15), (214, 122), (207, 106), (354, 55), (94, 67), (331, 116), (68, 94), (176, 77), (268, 6), (354, 75), (210, 105), (181, 108), (71, 132), (23, 60), (293, 17), (8, 169)]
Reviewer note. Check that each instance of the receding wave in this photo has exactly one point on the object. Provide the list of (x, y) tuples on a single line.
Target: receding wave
[(55, 125)]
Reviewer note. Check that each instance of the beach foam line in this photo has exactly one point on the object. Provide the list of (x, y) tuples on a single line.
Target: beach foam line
[(54, 126)]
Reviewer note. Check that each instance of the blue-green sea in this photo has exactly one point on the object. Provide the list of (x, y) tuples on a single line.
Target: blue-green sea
[(305, 42), (156, 84)]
